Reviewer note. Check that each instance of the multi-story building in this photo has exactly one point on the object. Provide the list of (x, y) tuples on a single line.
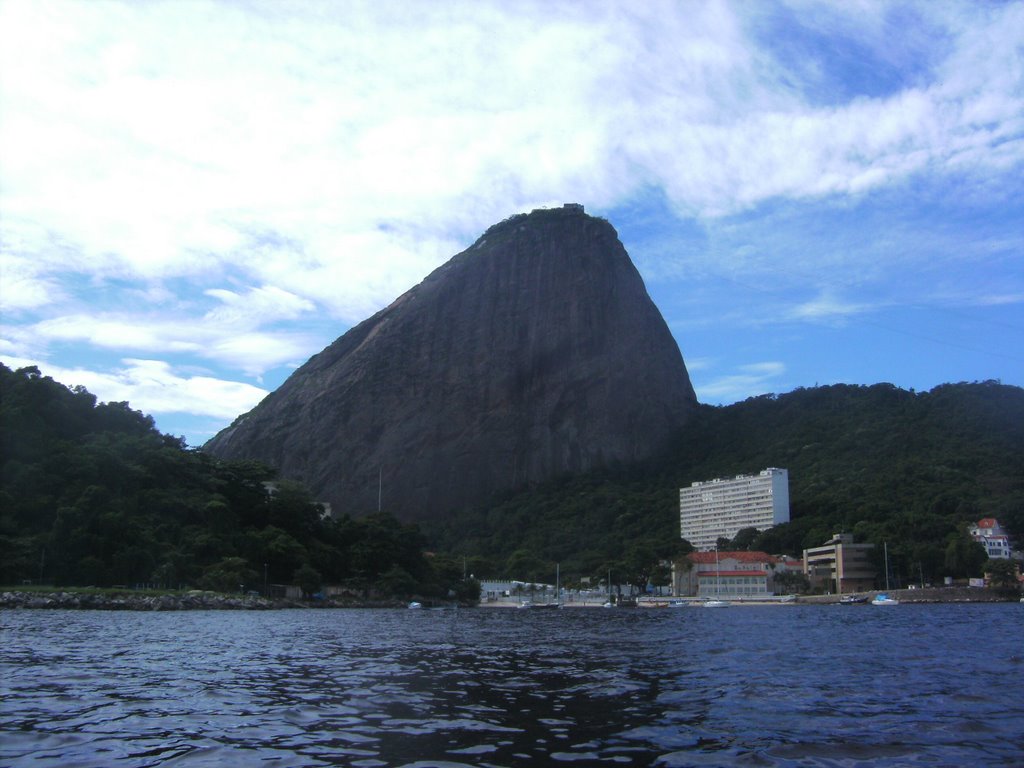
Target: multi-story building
[(989, 533), (840, 566), (718, 508)]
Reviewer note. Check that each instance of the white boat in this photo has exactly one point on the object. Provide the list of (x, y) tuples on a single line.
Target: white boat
[(413, 605), (882, 598), (716, 601), (715, 604)]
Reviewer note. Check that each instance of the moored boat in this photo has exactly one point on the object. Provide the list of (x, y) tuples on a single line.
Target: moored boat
[(853, 599), (715, 604)]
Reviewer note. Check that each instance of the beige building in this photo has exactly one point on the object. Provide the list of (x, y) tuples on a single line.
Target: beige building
[(730, 575), (717, 508), (840, 566)]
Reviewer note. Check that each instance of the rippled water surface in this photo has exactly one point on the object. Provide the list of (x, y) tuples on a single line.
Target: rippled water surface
[(930, 685)]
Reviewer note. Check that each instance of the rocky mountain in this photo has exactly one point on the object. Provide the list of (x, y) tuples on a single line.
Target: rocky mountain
[(534, 353)]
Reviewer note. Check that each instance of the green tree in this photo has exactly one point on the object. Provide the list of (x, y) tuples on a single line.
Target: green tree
[(230, 574), (964, 556), (307, 578), (744, 539), (1003, 574), (526, 566), (790, 582), (398, 582)]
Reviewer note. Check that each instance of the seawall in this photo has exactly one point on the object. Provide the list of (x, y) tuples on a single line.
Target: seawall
[(189, 601), (928, 595)]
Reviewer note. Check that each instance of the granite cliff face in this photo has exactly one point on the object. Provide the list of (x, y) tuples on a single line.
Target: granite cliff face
[(535, 352)]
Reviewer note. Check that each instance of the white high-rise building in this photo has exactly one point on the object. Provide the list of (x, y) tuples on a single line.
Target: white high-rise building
[(722, 507)]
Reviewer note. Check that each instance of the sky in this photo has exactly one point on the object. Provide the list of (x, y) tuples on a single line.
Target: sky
[(195, 197)]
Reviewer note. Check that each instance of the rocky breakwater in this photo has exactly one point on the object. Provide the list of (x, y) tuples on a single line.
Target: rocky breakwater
[(190, 601)]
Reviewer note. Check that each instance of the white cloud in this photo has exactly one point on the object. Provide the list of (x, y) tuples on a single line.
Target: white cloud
[(230, 335), (828, 307), (152, 386), (303, 164), (156, 159), (750, 380), (257, 306), (24, 285)]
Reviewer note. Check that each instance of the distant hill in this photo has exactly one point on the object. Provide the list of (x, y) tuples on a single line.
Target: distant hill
[(535, 352), (884, 463)]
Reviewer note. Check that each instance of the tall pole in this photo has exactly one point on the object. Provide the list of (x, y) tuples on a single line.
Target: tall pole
[(886, 546)]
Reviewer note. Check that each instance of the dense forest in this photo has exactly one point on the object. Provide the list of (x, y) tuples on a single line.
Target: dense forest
[(93, 494), (912, 469)]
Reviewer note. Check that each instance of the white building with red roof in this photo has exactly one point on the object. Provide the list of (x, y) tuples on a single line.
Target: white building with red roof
[(989, 533), (729, 575)]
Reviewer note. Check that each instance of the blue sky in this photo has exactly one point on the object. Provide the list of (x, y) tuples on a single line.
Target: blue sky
[(196, 197)]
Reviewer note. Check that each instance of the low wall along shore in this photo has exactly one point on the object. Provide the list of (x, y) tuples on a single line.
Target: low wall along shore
[(188, 601)]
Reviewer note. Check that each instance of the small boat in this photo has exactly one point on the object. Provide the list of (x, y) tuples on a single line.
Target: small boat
[(413, 605), (853, 600), (715, 604), (882, 598)]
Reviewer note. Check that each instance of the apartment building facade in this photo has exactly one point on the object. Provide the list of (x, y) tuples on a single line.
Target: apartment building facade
[(840, 566), (717, 508)]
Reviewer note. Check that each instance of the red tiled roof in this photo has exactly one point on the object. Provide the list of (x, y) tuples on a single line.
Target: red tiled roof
[(988, 522), (705, 574), (742, 557)]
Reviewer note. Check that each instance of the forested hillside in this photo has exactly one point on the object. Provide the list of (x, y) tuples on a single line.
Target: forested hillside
[(93, 494), (911, 469)]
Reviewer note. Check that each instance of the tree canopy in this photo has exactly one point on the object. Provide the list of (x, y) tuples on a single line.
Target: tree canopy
[(93, 494)]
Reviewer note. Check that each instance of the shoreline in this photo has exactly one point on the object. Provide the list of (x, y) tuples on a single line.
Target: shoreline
[(209, 601), (925, 596), (193, 601)]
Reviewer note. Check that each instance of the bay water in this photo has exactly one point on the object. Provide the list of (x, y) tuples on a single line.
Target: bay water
[(912, 685)]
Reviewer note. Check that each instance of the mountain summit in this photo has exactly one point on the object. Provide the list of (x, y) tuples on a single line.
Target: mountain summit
[(534, 353)]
